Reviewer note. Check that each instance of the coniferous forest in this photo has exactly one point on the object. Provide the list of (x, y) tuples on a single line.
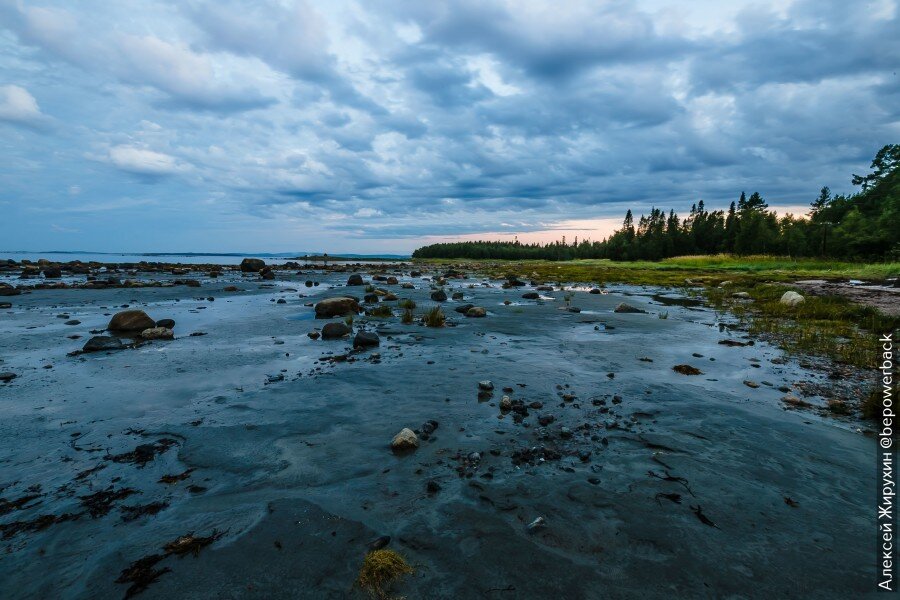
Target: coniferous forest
[(862, 225)]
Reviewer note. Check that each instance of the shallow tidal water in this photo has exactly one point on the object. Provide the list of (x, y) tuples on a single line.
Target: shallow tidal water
[(297, 476)]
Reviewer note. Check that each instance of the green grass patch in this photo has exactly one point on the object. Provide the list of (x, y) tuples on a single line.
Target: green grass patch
[(674, 271), (830, 326)]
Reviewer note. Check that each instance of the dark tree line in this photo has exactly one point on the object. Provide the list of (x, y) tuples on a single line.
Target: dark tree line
[(863, 225)]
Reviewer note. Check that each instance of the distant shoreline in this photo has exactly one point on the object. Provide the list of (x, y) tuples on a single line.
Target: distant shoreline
[(271, 255), (191, 258)]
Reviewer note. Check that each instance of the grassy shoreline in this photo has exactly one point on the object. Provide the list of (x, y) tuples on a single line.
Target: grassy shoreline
[(674, 271)]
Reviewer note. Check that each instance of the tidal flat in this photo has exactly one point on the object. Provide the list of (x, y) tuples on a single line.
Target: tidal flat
[(254, 461)]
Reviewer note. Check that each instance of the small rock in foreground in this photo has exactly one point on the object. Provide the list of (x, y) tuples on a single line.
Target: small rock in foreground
[(405, 440)]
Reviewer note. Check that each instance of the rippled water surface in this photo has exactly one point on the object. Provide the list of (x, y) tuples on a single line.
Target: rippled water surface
[(650, 483)]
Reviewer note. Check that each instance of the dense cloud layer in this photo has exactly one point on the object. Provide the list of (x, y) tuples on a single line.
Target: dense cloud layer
[(341, 126)]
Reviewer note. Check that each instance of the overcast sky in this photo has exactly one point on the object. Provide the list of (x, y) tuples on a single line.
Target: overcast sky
[(375, 127)]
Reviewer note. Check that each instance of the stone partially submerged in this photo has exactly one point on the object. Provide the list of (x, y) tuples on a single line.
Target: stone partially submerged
[(252, 265), (366, 339), (335, 330), (627, 308), (101, 343), (336, 307), (405, 440), (134, 321), (158, 333)]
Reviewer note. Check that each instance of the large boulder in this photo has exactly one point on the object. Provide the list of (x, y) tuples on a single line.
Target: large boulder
[(355, 279), (335, 330), (100, 343), (131, 320), (366, 339), (792, 298), (464, 308), (8, 290), (439, 296), (252, 265), (336, 307)]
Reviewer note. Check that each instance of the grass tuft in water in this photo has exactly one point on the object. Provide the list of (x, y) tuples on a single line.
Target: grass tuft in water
[(382, 310), (435, 317)]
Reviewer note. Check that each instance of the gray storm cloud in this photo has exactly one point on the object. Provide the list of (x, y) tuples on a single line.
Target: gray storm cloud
[(400, 120)]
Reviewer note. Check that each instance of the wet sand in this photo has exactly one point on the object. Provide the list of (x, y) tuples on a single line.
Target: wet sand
[(298, 477)]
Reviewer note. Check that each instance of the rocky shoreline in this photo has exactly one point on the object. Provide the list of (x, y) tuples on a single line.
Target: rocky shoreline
[(259, 433)]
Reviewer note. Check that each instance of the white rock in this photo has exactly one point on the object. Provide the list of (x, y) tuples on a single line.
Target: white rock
[(792, 298), (405, 440), (157, 333)]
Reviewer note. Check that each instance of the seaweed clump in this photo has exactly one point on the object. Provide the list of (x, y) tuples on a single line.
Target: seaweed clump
[(379, 570), (142, 572), (191, 544)]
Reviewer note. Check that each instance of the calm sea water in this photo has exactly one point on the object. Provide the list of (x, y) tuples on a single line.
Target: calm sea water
[(218, 259)]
